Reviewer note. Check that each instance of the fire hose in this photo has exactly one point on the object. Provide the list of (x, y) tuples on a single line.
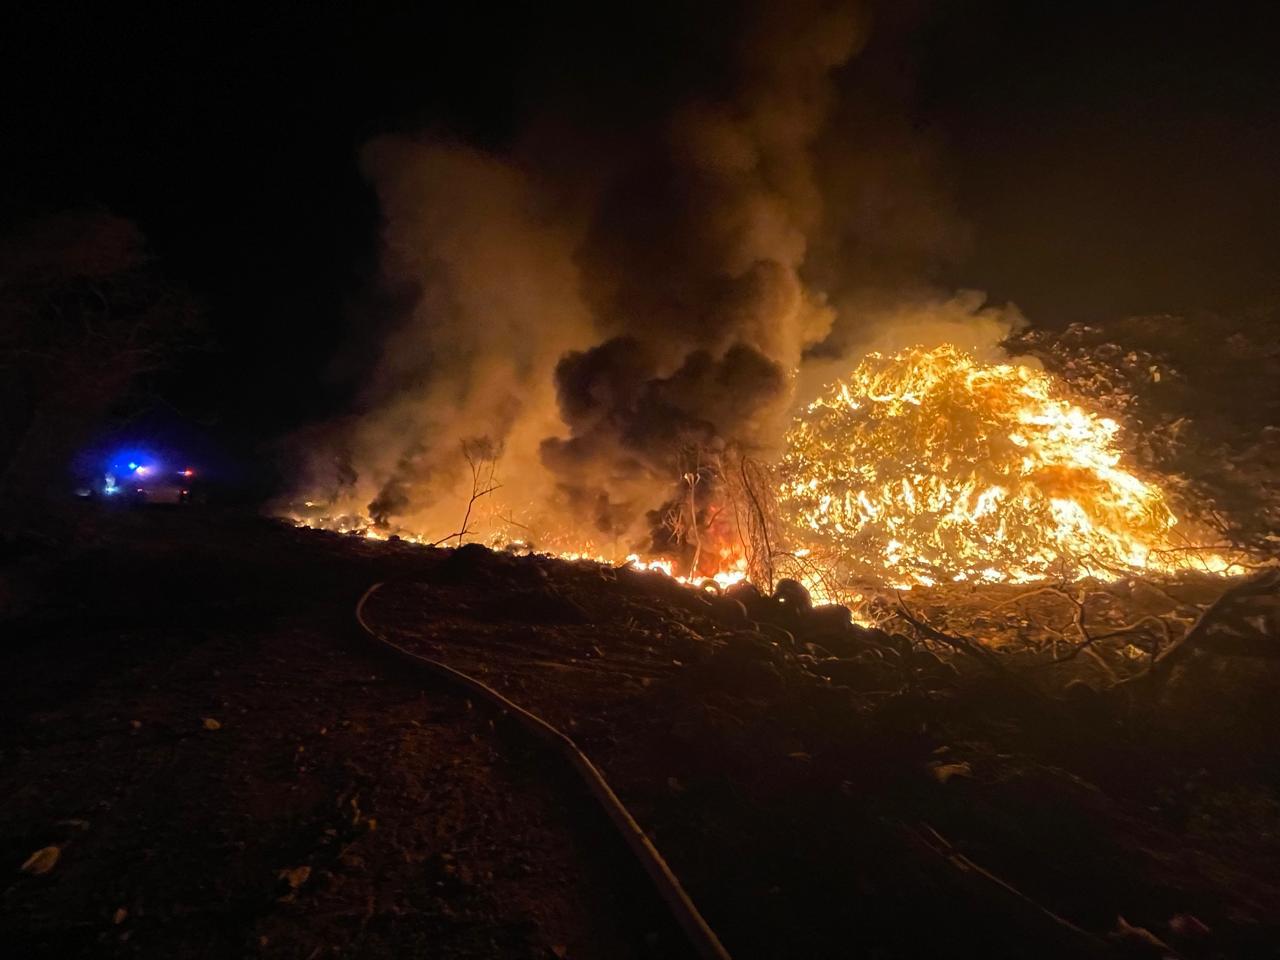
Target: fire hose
[(699, 934)]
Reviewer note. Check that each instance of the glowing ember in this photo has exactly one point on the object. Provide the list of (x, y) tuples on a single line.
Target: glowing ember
[(734, 572), (929, 465), (724, 578)]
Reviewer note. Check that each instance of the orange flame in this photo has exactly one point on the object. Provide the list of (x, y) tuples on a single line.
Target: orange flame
[(929, 465)]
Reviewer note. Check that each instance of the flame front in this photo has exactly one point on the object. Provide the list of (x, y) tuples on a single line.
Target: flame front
[(923, 467), (929, 465)]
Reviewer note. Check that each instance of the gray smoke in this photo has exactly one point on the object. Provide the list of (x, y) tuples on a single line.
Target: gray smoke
[(605, 305)]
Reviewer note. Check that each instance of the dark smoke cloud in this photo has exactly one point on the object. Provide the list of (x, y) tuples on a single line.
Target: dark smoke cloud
[(639, 277), (629, 428), (693, 255)]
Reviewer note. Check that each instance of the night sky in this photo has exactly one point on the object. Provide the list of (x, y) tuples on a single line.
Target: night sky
[(1103, 158)]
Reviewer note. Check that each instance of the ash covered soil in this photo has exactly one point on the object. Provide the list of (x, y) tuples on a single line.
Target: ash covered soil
[(226, 767)]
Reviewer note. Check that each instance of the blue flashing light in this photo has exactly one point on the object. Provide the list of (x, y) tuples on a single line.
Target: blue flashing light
[(134, 464)]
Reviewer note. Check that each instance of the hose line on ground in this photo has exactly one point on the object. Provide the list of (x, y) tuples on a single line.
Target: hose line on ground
[(699, 933)]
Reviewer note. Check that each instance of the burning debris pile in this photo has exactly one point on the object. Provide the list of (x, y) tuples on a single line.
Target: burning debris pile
[(929, 466), (597, 334), (924, 467), (1205, 420)]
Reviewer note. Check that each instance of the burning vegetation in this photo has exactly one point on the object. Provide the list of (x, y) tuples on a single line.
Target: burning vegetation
[(928, 465), (921, 468), (595, 338)]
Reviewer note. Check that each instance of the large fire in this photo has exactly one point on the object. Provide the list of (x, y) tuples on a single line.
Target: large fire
[(929, 465), (923, 467)]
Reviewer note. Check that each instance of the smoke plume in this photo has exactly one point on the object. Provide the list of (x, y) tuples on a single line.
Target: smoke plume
[(632, 286)]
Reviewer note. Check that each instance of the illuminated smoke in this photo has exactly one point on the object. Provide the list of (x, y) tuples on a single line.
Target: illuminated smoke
[(494, 306), (643, 279)]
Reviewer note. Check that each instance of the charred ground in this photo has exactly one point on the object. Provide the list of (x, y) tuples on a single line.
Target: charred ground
[(818, 787)]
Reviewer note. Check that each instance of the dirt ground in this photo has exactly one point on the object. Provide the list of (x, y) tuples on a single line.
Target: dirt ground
[(869, 804), (227, 772)]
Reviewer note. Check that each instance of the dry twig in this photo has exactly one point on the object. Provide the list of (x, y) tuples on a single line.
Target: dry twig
[(483, 462)]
